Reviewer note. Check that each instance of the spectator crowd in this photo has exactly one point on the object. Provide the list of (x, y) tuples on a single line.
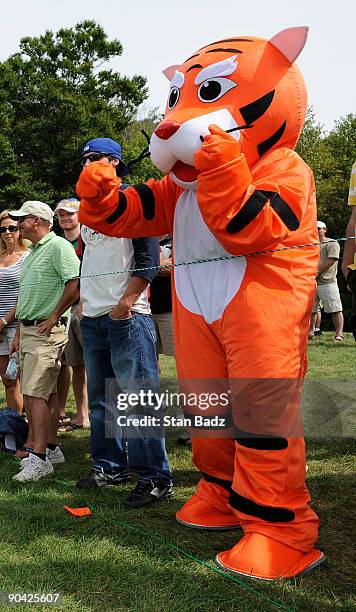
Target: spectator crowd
[(67, 317)]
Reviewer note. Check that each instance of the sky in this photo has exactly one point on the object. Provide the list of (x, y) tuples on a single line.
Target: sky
[(158, 33)]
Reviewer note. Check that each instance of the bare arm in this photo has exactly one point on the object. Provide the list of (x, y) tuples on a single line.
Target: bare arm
[(9, 317), (69, 296), (165, 261), (15, 344), (133, 291), (326, 265)]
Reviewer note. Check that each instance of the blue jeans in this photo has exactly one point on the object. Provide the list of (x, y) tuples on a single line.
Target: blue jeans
[(122, 352)]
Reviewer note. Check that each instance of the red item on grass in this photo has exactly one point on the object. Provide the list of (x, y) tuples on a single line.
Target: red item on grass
[(79, 511)]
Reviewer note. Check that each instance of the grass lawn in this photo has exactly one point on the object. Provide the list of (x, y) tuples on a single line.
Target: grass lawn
[(143, 560)]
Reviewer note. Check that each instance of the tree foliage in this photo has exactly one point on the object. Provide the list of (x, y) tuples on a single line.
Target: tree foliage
[(58, 93), (134, 142), (331, 157)]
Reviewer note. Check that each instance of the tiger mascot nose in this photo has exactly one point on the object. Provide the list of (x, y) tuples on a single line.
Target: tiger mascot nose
[(166, 129)]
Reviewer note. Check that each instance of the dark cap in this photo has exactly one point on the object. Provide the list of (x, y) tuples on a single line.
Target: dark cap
[(108, 147)]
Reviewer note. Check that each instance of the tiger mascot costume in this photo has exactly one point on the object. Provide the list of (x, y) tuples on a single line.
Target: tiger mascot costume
[(234, 186)]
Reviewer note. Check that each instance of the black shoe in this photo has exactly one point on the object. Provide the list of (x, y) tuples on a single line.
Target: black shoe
[(99, 478), (147, 492), (318, 332), (184, 439)]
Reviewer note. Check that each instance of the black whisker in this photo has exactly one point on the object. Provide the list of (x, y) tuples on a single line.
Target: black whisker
[(146, 136), (238, 127)]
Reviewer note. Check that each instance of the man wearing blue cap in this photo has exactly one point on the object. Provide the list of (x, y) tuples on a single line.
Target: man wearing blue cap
[(120, 354), (105, 148)]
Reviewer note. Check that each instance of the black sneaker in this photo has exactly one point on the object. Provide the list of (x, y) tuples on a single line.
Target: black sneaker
[(147, 492), (184, 439), (99, 478), (318, 332)]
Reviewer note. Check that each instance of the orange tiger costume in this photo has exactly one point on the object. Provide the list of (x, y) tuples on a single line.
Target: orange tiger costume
[(242, 320)]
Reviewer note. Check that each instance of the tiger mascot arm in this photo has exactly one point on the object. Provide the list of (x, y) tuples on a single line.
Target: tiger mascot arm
[(145, 209), (250, 209)]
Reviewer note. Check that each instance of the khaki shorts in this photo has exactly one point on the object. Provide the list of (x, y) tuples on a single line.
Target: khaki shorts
[(165, 337), (40, 360), (73, 352), (328, 296)]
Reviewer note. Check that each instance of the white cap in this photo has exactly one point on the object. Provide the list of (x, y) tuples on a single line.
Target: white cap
[(35, 208), (321, 225), (71, 205)]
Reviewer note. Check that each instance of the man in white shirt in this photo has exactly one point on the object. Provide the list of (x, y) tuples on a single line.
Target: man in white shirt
[(119, 346)]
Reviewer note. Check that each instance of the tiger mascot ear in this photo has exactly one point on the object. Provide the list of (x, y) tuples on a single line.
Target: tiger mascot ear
[(290, 42), (170, 71)]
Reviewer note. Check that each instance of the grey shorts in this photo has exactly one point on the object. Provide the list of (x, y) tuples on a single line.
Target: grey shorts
[(164, 329), (73, 352), (328, 296)]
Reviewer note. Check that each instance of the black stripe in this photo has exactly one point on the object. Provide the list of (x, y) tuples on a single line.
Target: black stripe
[(255, 204), (194, 66), (224, 51), (226, 484), (232, 40), (267, 144), (261, 442), (253, 111), (120, 208), (285, 213), (147, 200), (282, 209), (248, 212), (266, 513)]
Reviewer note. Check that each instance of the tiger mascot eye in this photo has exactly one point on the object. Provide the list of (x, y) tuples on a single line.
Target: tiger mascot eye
[(235, 186)]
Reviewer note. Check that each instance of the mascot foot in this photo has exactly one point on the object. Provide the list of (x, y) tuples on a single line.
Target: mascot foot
[(258, 556), (199, 514)]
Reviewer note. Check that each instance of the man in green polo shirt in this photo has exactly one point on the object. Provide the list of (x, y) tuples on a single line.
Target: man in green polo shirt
[(48, 287)]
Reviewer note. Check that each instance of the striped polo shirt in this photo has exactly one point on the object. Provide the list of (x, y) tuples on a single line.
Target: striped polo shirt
[(9, 287), (50, 264)]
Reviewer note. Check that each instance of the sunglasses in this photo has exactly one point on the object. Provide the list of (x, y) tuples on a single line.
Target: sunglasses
[(10, 228), (93, 157)]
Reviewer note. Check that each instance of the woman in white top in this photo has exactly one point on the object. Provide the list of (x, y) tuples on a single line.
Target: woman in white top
[(13, 252)]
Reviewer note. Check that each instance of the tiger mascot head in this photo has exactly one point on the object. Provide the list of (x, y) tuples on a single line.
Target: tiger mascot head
[(247, 86)]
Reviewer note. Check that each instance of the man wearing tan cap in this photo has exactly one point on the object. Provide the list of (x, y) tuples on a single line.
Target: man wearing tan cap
[(48, 287), (67, 214)]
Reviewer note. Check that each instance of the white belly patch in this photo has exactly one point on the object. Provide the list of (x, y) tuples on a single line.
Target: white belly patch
[(205, 288)]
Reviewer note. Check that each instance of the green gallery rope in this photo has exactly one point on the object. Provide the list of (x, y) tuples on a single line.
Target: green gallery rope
[(183, 263), (166, 543)]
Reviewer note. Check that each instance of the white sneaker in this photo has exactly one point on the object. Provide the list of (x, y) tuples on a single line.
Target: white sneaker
[(56, 455), (34, 469)]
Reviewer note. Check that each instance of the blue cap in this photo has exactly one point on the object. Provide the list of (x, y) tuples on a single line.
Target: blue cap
[(109, 147)]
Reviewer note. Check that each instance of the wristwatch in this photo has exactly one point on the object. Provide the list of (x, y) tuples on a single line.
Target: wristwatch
[(5, 322)]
